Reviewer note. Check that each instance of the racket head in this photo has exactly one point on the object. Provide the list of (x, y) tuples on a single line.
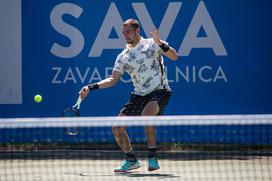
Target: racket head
[(72, 112)]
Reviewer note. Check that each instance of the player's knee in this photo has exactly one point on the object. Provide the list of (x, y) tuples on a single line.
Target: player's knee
[(153, 103), (152, 108)]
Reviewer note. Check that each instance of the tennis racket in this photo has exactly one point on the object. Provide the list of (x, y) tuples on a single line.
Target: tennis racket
[(72, 112)]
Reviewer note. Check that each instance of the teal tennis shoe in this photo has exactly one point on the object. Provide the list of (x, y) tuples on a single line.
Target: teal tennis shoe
[(127, 166), (153, 164)]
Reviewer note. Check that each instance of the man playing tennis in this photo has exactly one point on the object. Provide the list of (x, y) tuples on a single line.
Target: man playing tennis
[(142, 60)]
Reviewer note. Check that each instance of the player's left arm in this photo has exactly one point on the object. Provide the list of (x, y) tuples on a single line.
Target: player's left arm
[(166, 50), (171, 53)]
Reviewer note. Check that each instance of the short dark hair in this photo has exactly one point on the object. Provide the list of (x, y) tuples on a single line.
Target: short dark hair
[(133, 23)]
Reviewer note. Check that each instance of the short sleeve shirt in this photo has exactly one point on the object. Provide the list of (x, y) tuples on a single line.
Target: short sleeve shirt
[(144, 64)]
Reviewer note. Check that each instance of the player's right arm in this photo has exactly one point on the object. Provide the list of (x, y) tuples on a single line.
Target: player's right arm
[(108, 82)]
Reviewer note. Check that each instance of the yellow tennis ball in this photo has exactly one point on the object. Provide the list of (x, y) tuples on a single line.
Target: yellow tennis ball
[(38, 98)]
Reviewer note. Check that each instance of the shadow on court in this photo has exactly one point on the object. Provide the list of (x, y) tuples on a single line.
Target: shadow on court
[(157, 175), (128, 174)]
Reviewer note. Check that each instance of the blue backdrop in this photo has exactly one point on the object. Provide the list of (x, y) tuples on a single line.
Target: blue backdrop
[(223, 68)]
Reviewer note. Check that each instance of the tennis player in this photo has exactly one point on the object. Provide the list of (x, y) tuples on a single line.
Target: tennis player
[(142, 60)]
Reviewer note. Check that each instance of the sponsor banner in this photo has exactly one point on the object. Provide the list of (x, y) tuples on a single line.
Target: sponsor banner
[(59, 46)]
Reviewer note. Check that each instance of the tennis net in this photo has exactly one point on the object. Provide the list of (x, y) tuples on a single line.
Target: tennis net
[(217, 147)]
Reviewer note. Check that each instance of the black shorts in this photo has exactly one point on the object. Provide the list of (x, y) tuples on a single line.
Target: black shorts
[(137, 103)]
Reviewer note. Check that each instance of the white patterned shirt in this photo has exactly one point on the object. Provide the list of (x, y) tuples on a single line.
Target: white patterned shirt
[(144, 64)]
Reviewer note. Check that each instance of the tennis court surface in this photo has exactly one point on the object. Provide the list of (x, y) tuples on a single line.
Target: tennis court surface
[(230, 147)]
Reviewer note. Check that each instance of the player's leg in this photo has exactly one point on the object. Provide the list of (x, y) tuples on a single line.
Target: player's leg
[(122, 138), (133, 108), (155, 106), (151, 109)]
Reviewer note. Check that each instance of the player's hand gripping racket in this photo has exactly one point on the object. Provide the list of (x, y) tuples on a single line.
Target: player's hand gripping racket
[(73, 112)]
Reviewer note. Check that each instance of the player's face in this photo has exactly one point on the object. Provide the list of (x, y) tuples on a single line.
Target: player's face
[(131, 35)]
